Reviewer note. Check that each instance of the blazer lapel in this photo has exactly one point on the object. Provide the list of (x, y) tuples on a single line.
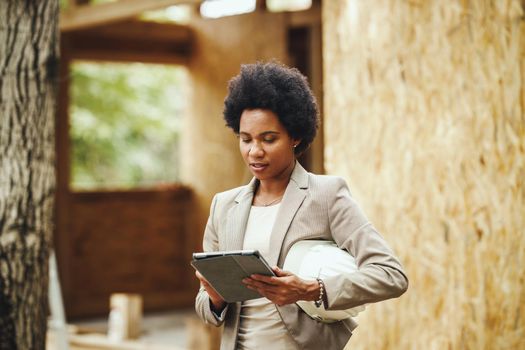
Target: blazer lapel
[(238, 218), (292, 200)]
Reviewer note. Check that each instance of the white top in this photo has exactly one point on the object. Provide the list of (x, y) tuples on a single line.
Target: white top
[(260, 325)]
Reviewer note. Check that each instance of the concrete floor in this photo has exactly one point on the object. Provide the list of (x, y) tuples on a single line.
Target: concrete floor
[(164, 330)]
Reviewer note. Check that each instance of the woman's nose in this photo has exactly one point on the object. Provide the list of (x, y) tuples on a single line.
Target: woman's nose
[(256, 150)]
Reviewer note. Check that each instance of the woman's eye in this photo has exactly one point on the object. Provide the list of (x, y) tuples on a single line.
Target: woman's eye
[(245, 140), (269, 140)]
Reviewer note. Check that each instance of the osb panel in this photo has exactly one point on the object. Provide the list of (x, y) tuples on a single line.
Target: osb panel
[(424, 116), (116, 246), (211, 161)]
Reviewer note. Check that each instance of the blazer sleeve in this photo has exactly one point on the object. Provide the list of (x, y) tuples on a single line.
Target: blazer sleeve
[(380, 275), (210, 243)]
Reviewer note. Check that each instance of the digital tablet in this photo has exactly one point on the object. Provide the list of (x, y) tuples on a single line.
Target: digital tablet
[(225, 270)]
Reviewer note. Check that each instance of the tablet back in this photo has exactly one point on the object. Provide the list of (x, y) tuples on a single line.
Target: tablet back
[(225, 274)]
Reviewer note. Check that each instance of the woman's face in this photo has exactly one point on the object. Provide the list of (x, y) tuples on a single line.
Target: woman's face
[(266, 146)]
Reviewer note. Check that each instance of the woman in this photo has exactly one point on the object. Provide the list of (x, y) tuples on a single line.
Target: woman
[(273, 111)]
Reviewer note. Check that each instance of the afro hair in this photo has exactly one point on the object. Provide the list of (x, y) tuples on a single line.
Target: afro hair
[(282, 90)]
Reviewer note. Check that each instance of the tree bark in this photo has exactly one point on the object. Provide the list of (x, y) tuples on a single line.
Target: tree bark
[(28, 71)]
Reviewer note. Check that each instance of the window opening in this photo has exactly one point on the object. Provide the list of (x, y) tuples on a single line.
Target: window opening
[(125, 124)]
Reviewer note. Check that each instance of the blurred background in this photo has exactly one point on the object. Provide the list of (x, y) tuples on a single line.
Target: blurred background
[(422, 112)]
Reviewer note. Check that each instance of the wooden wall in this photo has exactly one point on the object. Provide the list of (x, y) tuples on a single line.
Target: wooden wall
[(424, 116), (130, 242)]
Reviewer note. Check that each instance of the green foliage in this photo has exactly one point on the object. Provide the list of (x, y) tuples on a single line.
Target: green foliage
[(125, 124)]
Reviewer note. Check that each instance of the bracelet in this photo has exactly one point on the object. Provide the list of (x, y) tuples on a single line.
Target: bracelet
[(319, 301)]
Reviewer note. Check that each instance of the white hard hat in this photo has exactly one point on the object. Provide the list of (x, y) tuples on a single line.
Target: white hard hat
[(311, 259)]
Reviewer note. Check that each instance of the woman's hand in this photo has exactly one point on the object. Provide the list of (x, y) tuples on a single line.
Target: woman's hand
[(284, 288), (217, 302)]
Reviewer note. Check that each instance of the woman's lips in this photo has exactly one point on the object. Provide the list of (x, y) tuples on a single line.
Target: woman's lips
[(258, 166)]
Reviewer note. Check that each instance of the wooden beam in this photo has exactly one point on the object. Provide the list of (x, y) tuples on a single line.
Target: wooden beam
[(84, 16), (142, 30), (131, 41)]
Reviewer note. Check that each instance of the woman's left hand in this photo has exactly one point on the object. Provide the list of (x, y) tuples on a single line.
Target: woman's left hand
[(284, 288)]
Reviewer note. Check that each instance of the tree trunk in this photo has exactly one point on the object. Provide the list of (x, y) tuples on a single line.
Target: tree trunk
[(28, 71)]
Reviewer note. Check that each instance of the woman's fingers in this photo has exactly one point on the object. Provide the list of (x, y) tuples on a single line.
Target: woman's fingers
[(215, 297), (269, 283), (281, 273), (282, 290), (278, 287), (203, 280), (200, 277), (266, 279)]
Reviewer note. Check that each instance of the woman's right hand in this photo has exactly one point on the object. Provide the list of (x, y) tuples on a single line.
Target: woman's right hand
[(217, 302)]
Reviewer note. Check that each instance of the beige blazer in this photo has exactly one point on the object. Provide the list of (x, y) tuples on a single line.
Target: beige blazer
[(313, 207)]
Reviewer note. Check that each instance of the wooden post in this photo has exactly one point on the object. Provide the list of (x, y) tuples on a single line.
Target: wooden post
[(127, 309)]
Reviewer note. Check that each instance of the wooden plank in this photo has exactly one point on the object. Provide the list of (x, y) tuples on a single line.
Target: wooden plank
[(142, 30), (89, 48), (171, 192), (62, 147), (92, 15), (131, 41)]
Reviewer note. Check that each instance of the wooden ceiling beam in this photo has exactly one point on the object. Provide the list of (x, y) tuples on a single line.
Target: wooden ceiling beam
[(131, 41), (141, 30), (85, 16)]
